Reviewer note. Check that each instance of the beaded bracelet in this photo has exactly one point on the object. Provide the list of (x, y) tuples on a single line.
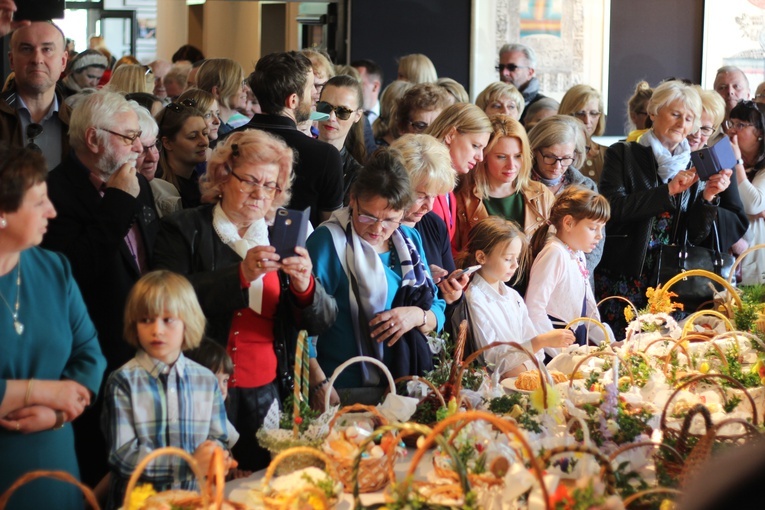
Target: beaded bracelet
[(316, 387)]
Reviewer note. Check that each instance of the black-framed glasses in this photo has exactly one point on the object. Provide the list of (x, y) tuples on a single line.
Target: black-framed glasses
[(551, 159), (33, 131), (387, 224), (706, 130), (341, 112), (128, 139), (736, 124), (248, 186), (418, 126), (154, 145), (509, 67)]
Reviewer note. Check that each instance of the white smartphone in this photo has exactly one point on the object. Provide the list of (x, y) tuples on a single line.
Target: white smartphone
[(469, 270)]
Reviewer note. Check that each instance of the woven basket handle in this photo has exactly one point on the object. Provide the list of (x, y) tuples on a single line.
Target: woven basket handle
[(356, 408), (507, 427), (62, 476), (357, 359), (297, 450), (168, 450), (687, 327)]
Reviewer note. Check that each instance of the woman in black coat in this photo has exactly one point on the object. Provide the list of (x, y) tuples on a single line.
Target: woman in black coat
[(653, 194)]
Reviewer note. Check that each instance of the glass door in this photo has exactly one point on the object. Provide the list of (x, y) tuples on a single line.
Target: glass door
[(119, 29)]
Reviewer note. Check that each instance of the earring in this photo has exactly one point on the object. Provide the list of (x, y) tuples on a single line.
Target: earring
[(3, 223), (759, 139)]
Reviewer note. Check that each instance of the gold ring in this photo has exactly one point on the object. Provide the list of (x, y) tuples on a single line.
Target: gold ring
[(259, 265), (303, 269)]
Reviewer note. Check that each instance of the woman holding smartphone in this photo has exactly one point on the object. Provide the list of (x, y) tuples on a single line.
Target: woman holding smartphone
[(254, 301)]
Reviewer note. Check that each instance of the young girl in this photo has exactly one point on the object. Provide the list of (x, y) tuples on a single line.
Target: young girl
[(497, 312), (559, 287), (160, 397)]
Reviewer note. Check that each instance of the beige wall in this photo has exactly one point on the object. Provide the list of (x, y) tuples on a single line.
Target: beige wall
[(172, 23), (232, 30)]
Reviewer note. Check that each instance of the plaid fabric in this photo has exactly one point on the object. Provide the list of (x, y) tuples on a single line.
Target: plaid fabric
[(149, 405)]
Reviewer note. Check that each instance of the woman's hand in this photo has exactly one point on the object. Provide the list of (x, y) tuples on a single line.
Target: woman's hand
[(299, 269), (558, 338), (30, 419), (740, 170), (393, 324), (7, 8), (716, 184), (682, 181), (259, 261), (438, 273), (68, 396), (452, 287)]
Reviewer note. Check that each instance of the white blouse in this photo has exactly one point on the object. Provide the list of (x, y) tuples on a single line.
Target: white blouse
[(500, 317), (557, 288), (753, 197)]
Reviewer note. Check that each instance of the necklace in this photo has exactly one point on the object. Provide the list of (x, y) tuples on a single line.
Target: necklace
[(17, 325), (579, 262)]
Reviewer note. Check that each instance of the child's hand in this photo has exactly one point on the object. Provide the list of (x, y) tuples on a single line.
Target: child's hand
[(557, 338), (204, 453)]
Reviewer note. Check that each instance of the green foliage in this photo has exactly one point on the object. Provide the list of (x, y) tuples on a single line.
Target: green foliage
[(307, 415), (327, 485)]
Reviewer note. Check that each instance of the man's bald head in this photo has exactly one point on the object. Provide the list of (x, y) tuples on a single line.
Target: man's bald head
[(35, 25)]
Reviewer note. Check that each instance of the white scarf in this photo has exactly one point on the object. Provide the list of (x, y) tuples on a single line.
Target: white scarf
[(256, 235), (669, 163)]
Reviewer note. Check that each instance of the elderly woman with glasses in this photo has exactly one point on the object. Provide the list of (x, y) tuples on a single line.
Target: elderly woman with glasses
[(254, 301), (712, 115), (419, 107), (654, 193), (746, 129), (377, 272), (586, 104)]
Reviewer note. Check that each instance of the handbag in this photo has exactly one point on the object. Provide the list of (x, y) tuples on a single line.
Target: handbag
[(676, 258)]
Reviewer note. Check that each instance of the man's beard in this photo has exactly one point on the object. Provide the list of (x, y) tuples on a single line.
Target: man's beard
[(110, 162), (303, 113)]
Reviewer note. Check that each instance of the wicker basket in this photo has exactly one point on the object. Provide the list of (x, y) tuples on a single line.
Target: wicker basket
[(459, 476), (351, 361), (628, 501), (274, 501), (606, 471), (62, 476), (733, 295), (371, 474), (433, 396)]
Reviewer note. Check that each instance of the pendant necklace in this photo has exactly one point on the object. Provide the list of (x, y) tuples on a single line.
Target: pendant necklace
[(17, 325)]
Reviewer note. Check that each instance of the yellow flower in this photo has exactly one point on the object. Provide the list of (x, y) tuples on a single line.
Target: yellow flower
[(537, 399), (667, 504), (629, 314), (139, 496)]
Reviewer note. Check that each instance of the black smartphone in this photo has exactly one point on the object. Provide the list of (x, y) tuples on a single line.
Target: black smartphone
[(289, 230), (39, 10)]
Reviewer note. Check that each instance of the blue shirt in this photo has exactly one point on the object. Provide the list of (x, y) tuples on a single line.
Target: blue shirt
[(338, 344), (149, 405)]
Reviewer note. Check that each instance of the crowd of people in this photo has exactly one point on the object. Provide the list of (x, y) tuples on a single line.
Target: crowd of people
[(144, 305)]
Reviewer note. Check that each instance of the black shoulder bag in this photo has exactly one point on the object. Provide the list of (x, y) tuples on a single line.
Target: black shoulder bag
[(678, 257)]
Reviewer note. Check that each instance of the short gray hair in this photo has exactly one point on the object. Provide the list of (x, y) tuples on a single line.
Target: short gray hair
[(732, 69), (96, 110), (146, 122), (671, 91), (527, 51)]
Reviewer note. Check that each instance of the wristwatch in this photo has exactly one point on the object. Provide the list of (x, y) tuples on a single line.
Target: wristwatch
[(739, 161)]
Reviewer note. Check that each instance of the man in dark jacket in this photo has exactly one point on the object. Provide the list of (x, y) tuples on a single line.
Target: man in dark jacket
[(32, 112), (106, 225), (283, 83)]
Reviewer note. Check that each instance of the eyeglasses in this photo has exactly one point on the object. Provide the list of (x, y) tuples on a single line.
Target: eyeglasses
[(341, 112), (424, 197), (707, 130), (33, 131), (583, 114), (154, 145), (248, 186), (736, 125), (418, 125), (388, 224), (509, 67), (551, 159), (129, 139)]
